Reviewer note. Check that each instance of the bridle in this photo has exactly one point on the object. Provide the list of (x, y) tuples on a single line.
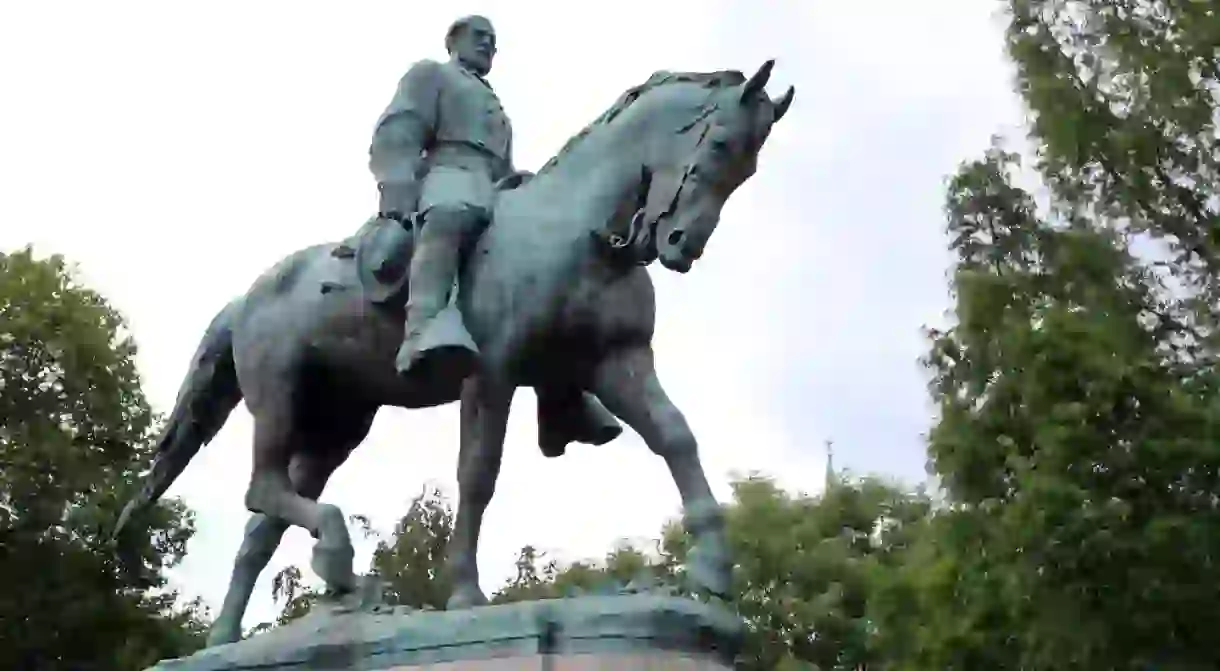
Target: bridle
[(637, 247)]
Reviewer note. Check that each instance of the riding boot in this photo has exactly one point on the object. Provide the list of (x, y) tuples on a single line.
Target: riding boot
[(436, 346)]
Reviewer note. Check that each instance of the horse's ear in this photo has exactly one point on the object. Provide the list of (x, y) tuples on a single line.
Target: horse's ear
[(756, 84), (781, 105)]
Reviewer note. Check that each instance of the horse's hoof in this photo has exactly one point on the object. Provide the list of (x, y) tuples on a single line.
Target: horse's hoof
[(708, 567), (334, 566), (466, 597), (600, 434), (594, 424), (584, 421), (222, 635)]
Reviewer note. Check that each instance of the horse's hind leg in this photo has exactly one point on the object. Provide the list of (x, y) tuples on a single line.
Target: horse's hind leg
[(262, 537), (308, 474), (277, 437)]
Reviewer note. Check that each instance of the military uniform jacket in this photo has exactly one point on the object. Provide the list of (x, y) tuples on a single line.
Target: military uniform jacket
[(446, 130)]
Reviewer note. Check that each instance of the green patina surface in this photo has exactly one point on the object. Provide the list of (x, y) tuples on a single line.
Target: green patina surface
[(593, 624)]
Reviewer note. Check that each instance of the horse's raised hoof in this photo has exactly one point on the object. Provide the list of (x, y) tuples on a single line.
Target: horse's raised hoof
[(595, 425), (466, 596), (586, 421), (441, 353)]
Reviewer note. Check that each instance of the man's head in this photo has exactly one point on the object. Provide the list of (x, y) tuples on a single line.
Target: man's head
[(471, 41)]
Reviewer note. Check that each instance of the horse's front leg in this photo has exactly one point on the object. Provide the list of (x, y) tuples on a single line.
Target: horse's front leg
[(626, 382), (484, 418)]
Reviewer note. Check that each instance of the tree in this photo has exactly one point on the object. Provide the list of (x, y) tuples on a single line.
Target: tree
[(804, 580), (76, 429), (1124, 102), (410, 565), (1076, 442), (540, 578), (1078, 389), (805, 565), (803, 575)]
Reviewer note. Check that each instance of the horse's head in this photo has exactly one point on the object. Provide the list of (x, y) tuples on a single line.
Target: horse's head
[(714, 153)]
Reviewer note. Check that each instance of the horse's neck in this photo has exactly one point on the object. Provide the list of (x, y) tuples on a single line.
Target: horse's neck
[(588, 187)]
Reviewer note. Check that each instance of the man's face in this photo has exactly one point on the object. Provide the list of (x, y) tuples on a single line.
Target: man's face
[(475, 45)]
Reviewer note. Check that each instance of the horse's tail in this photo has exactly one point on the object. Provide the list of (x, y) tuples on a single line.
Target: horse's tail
[(207, 396)]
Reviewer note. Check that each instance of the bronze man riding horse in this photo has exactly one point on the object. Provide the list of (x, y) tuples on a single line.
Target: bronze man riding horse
[(555, 295)]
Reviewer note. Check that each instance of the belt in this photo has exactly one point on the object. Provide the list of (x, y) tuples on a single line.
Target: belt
[(466, 156)]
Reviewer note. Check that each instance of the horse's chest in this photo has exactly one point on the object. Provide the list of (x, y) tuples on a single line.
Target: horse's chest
[(585, 307), (512, 281), (579, 307), (539, 290), (538, 287)]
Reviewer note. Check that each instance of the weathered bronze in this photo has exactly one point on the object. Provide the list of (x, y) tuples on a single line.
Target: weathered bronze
[(553, 295)]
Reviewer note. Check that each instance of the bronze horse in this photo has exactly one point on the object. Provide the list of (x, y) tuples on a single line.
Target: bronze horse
[(557, 297)]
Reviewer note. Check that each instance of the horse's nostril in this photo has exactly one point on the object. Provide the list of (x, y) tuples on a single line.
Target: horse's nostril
[(675, 237)]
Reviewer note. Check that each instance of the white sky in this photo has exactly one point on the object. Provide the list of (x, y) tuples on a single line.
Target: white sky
[(176, 150)]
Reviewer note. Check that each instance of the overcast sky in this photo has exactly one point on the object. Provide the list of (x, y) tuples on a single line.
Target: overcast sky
[(177, 150)]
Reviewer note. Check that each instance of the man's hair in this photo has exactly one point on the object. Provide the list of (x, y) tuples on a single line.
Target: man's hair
[(457, 27)]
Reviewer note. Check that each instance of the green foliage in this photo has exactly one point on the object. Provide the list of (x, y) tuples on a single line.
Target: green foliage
[(288, 587), (1077, 445), (76, 431), (540, 578), (412, 562), (1124, 102), (802, 579), (946, 604), (410, 565)]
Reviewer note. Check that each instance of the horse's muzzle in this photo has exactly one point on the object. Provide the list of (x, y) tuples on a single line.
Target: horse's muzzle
[(676, 262)]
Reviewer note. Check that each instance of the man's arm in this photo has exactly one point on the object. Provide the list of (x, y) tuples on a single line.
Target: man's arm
[(408, 125)]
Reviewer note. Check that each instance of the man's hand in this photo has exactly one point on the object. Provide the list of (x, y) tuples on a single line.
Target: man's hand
[(514, 180), (398, 199)]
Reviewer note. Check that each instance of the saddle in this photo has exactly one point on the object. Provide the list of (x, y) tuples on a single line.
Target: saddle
[(382, 251)]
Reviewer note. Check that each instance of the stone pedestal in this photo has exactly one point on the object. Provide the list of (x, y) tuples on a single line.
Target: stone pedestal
[(658, 661), (603, 633)]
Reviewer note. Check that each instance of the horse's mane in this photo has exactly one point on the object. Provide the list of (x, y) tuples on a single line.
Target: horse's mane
[(721, 79)]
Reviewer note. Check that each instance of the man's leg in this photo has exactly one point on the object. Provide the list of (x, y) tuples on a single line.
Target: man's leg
[(436, 345)]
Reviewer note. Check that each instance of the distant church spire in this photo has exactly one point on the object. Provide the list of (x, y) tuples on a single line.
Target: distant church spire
[(832, 478)]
